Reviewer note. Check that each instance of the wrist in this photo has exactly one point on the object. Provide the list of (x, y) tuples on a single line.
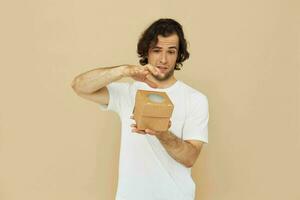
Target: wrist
[(164, 136), (124, 70)]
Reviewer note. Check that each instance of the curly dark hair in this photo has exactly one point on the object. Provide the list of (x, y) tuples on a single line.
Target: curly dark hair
[(164, 27)]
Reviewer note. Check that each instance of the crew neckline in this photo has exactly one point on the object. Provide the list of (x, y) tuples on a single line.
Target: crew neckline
[(145, 86)]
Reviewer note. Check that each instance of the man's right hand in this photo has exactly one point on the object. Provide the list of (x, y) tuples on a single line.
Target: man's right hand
[(142, 73), (91, 85)]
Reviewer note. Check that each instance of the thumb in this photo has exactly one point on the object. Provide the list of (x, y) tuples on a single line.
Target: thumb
[(150, 80), (170, 123)]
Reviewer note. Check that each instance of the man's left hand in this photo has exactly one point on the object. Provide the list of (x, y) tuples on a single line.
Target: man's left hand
[(148, 131)]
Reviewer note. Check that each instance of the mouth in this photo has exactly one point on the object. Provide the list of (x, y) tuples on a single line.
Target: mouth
[(162, 68)]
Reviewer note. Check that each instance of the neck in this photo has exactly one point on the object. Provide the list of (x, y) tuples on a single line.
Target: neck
[(166, 83)]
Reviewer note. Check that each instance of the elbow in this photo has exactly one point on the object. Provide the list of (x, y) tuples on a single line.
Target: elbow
[(79, 85), (74, 85)]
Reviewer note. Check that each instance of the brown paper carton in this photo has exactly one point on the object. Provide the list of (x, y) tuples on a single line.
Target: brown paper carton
[(152, 110)]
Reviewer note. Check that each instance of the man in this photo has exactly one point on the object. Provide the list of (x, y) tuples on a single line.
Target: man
[(153, 165)]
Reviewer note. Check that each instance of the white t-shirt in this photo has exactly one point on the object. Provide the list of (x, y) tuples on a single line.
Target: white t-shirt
[(146, 170)]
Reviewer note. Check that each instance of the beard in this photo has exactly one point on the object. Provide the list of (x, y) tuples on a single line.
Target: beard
[(165, 76)]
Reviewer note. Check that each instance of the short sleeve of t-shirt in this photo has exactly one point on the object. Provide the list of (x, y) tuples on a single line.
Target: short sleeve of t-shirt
[(118, 94), (196, 123)]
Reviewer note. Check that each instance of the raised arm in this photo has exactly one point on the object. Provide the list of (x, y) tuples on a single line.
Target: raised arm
[(91, 85)]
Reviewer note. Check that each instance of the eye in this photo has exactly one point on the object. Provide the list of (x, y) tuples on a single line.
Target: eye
[(156, 50), (172, 52)]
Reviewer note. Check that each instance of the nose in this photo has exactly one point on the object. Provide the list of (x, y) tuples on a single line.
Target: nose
[(163, 58)]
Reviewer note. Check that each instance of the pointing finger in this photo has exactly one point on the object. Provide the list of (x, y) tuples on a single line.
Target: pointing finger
[(152, 69)]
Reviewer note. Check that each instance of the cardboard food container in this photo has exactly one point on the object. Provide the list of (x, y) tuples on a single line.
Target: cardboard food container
[(152, 110)]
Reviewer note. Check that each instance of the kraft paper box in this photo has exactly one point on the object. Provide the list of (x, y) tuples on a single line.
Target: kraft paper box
[(152, 110)]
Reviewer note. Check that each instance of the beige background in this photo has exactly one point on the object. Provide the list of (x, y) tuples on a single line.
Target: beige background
[(244, 57)]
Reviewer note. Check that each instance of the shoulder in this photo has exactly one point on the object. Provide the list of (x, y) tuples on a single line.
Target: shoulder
[(196, 101), (120, 85), (192, 94), (119, 90)]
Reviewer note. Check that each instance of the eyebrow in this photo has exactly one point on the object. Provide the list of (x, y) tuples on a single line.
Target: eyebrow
[(171, 47)]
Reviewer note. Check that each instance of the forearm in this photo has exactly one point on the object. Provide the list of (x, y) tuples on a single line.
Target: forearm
[(182, 151), (96, 79)]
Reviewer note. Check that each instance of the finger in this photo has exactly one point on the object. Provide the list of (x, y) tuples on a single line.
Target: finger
[(145, 72), (151, 84), (133, 72), (150, 81), (138, 71), (138, 131), (151, 132), (140, 75), (152, 69), (170, 123), (134, 126)]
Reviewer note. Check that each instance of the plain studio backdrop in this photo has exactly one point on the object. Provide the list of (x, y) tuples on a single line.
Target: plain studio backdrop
[(244, 57)]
